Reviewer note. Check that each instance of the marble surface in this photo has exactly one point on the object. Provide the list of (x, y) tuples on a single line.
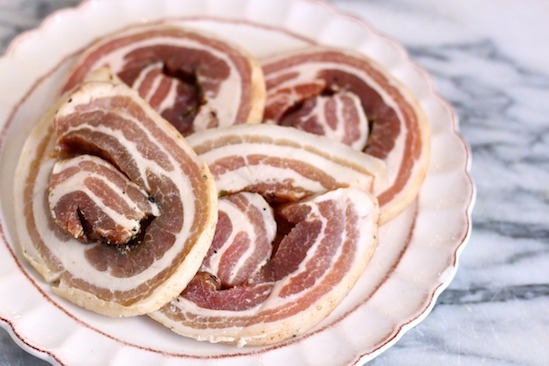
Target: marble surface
[(490, 59)]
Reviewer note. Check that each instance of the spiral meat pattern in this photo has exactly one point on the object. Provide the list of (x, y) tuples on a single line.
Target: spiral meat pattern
[(123, 210), (322, 90), (326, 232), (195, 81)]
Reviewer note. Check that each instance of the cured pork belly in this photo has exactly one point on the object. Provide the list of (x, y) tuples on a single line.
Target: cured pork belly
[(117, 210), (348, 97), (194, 80), (293, 236), (283, 163)]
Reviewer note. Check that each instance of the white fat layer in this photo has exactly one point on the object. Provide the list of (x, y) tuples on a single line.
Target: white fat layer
[(308, 72), (226, 102)]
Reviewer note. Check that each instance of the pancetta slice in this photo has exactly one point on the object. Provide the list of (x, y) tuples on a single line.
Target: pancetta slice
[(313, 89), (194, 80), (327, 243), (117, 211), (321, 233), (283, 163)]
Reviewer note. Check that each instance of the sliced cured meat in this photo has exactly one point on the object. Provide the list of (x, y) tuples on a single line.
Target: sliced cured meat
[(90, 199), (307, 89), (329, 242), (117, 210), (320, 235), (193, 80), (282, 163)]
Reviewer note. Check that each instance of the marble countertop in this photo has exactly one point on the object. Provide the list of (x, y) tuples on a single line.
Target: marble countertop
[(490, 59)]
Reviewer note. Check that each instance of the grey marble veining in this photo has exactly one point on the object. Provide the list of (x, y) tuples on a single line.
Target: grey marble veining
[(17, 16), (496, 311), (490, 59)]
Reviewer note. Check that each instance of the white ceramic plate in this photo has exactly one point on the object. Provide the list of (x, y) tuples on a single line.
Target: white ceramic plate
[(418, 251)]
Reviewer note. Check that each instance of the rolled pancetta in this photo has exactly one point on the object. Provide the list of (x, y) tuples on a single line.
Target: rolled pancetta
[(283, 163), (195, 81), (293, 236), (117, 210), (350, 98)]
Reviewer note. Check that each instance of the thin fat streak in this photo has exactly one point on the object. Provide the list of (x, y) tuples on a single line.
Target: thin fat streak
[(76, 180)]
